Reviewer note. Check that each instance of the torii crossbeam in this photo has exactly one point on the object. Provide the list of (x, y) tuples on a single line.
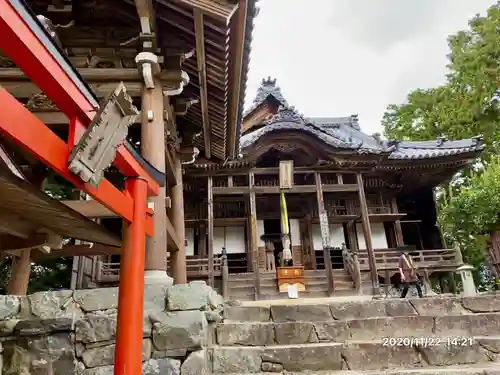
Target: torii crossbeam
[(26, 42)]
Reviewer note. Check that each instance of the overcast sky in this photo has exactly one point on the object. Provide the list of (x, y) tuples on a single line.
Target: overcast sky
[(341, 57)]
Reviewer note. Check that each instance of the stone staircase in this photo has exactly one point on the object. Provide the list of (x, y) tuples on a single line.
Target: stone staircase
[(441, 335), (241, 286)]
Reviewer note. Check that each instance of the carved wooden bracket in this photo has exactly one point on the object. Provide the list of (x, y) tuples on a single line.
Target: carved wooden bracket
[(188, 154), (96, 150), (41, 102), (182, 105), (173, 87)]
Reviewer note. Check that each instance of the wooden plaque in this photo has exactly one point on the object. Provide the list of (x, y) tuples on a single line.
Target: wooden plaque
[(286, 174), (290, 276)]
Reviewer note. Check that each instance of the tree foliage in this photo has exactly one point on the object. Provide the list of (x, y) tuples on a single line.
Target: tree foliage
[(469, 216), (466, 105)]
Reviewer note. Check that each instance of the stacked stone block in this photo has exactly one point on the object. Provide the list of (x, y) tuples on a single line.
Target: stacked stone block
[(463, 337), (73, 332)]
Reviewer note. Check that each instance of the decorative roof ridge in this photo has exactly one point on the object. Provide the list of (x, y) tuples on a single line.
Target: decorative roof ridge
[(288, 114), (266, 89), (441, 142)]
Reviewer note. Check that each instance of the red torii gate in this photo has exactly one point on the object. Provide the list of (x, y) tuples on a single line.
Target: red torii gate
[(25, 41)]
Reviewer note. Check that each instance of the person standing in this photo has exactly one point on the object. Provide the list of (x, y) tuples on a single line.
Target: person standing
[(270, 260), (408, 273)]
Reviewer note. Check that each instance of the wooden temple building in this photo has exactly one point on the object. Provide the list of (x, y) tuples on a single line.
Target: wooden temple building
[(242, 190), (352, 196)]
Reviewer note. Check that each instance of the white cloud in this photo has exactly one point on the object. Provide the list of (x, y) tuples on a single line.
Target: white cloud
[(339, 57)]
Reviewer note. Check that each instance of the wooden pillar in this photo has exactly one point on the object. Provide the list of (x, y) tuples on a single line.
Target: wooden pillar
[(21, 266), (398, 231), (202, 241), (367, 232), (210, 230), (153, 150), (248, 241), (20, 274), (351, 227), (178, 258), (311, 249), (253, 236), (452, 282), (325, 233)]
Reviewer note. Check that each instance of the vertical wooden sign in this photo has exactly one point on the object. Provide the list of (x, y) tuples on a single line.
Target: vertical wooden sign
[(286, 174)]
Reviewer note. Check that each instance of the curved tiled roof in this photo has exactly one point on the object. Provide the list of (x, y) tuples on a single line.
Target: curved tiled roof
[(267, 89), (344, 133), (434, 149)]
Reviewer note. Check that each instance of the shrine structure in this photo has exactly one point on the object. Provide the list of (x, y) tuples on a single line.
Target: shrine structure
[(353, 202), (114, 97), (250, 202)]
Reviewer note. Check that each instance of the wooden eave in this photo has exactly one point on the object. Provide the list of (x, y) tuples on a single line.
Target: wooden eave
[(217, 79), (217, 72), (25, 203), (259, 114)]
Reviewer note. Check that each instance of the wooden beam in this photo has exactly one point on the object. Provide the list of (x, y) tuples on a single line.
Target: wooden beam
[(94, 210), (170, 167), (176, 215), (15, 226), (253, 235), (20, 275), (9, 243), (102, 81), (397, 224), (26, 90), (221, 10), (95, 75), (210, 229), (367, 232), (78, 250), (91, 208), (173, 240), (237, 49), (145, 9), (296, 189), (325, 233), (199, 28)]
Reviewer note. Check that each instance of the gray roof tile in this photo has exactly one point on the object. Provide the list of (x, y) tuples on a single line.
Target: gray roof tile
[(339, 132), (267, 88)]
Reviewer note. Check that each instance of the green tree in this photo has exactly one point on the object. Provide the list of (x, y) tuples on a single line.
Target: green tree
[(467, 104)]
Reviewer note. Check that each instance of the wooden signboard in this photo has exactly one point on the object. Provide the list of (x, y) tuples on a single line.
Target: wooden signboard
[(286, 174), (291, 276)]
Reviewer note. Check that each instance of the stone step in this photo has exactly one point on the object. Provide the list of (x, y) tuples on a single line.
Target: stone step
[(432, 306), (403, 331), (476, 369), (353, 355)]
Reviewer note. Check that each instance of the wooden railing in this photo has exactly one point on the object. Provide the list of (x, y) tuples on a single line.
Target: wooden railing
[(389, 258), (351, 265), (108, 272)]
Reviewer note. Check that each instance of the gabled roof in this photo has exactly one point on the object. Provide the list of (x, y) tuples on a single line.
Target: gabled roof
[(267, 90), (344, 133)]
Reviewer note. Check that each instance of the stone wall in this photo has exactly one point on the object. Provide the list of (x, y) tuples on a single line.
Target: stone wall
[(73, 332)]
